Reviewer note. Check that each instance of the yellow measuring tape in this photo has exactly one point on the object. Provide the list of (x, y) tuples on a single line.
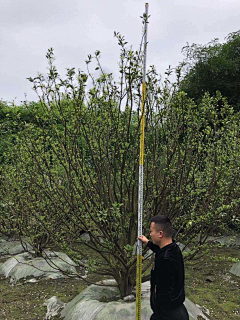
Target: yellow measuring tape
[(139, 287), (140, 204), (140, 188)]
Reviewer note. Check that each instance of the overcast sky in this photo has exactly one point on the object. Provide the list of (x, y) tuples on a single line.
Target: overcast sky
[(75, 28)]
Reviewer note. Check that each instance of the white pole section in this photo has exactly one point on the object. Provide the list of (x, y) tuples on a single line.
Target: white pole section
[(140, 188)]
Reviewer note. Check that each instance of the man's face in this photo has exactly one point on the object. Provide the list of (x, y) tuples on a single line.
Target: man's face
[(155, 234)]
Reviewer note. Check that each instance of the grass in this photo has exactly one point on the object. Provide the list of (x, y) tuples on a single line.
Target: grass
[(25, 301), (208, 284)]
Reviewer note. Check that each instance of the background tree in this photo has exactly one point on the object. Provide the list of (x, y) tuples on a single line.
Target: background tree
[(213, 67), (13, 120)]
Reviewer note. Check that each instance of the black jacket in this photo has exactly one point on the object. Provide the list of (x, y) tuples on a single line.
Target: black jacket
[(167, 278)]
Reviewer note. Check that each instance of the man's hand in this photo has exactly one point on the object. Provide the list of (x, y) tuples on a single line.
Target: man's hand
[(143, 239)]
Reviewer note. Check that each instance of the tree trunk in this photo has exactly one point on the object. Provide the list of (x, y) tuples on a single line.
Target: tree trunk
[(125, 283)]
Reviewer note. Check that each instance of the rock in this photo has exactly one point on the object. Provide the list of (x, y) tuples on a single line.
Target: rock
[(24, 265), (85, 236), (131, 297), (86, 274), (3, 238), (147, 255), (54, 307), (32, 280), (15, 247), (86, 305), (209, 279), (54, 276), (47, 254), (145, 290), (13, 261), (235, 269), (226, 240), (205, 310), (91, 304), (193, 310), (1, 270), (182, 247), (4, 258)]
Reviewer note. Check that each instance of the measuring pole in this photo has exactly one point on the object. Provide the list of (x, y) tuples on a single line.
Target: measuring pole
[(140, 188)]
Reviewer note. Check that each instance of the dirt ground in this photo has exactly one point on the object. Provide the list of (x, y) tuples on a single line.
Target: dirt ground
[(208, 284)]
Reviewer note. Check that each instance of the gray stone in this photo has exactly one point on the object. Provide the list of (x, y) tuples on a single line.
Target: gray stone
[(131, 297), (24, 265), (85, 274), (147, 255), (85, 236), (54, 307), (4, 258), (86, 305), (235, 269), (226, 240), (182, 247), (1, 270), (14, 247), (91, 304), (210, 279), (32, 280), (13, 261), (205, 310), (47, 254), (3, 238), (145, 290), (193, 310), (124, 311)]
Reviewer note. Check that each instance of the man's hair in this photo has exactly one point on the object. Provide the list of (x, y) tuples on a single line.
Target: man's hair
[(162, 223)]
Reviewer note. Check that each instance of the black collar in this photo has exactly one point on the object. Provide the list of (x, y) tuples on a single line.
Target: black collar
[(173, 244)]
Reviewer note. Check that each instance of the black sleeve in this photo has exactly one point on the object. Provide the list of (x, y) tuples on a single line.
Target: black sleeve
[(165, 282), (152, 246)]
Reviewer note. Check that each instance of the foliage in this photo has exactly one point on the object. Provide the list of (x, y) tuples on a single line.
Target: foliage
[(213, 67), (13, 119), (74, 168), (10, 118)]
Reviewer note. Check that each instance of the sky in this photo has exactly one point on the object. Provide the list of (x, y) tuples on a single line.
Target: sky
[(76, 28)]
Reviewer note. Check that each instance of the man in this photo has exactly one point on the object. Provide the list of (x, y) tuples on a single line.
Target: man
[(167, 276)]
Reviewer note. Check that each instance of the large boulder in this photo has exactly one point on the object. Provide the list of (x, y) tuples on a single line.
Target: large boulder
[(24, 265), (227, 240), (8, 265), (92, 304), (14, 247), (235, 269)]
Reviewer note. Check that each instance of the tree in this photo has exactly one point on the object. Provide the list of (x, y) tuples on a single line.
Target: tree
[(77, 169), (213, 67), (13, 119)]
